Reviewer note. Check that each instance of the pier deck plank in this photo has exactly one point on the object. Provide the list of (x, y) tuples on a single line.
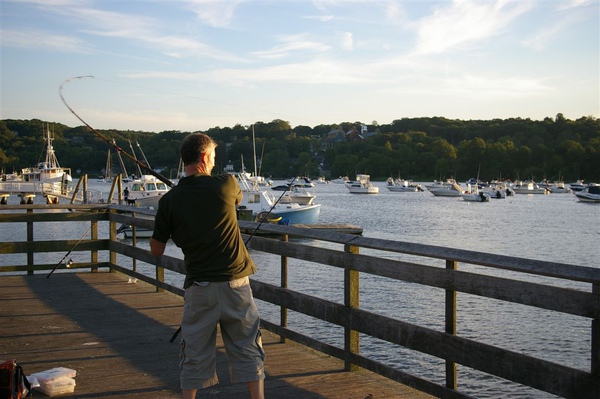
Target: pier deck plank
[(116, 335)]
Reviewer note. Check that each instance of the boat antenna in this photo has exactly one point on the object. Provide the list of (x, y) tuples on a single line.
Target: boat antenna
[(107, 140)]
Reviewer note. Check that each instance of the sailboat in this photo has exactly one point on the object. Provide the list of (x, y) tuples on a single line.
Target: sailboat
[(107, 178)]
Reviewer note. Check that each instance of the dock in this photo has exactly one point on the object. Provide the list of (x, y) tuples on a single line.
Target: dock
[(116, 334)]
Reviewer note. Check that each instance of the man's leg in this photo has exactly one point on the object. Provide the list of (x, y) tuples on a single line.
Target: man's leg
[(256, 388), (189, 393)]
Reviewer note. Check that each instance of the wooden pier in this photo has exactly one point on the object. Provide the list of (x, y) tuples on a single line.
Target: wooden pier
[(116, 334)]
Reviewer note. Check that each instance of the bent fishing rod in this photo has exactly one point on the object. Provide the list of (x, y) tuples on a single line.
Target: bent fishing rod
[(109, 141)]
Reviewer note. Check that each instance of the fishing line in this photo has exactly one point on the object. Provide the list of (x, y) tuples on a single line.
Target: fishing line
[(277, 115), (111, 142), (70, 261)]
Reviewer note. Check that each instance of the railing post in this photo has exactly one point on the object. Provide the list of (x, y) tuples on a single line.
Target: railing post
[(134, 243), (160, 276), (283, 319), (351, 300), (595, 366), (450, 328), (29, 241), (94, 236), (112, 233)]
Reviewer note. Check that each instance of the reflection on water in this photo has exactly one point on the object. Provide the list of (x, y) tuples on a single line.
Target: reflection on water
[(554, 228)]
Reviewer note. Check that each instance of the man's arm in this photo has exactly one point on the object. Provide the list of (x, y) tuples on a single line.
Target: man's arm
[(157, 248)]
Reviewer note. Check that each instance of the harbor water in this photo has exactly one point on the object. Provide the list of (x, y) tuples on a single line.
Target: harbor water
[(555, 227)]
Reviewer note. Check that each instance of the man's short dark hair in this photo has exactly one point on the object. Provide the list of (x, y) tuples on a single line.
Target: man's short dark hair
[(194, 145)]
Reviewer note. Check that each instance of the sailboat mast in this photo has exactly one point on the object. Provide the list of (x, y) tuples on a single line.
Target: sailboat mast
[(135, 157), (254, 150)]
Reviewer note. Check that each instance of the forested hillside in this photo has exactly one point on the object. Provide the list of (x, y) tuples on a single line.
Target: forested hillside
[(412, 148)]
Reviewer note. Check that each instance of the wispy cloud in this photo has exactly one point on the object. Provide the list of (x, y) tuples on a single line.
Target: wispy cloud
[(215, 13), (465, 22), (289, 44), (38, 39)]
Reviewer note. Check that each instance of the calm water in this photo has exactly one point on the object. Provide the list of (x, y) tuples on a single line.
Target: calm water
[(554, 228)]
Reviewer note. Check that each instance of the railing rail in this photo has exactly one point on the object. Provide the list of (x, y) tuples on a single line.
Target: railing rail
[(412, 265)]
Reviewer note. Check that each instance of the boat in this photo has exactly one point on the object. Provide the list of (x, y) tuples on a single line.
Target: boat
[(577, 186), (362, 185), (449, 188), (140, 232), (591, 193), (146, 191), (472, 194), (529, 187), (341, 180), (299, 195), (301, 181), (498, 190), (403, 186), (259, 202), (47, 178)]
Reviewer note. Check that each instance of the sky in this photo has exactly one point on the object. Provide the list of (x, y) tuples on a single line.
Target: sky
[(189, 65)]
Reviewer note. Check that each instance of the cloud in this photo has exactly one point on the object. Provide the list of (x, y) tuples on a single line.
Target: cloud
[(347, 41), (465, 22), (218, 14), (38, 39), (289, 44)]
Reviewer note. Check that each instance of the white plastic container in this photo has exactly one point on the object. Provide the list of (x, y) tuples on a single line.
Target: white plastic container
[(57, 387), (45, 377)]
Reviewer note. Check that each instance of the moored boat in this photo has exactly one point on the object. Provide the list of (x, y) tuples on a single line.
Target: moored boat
[(259, 201), (449, 188), (146, 191), (402, 186), (362, 185), (591, 193), (47, 178)]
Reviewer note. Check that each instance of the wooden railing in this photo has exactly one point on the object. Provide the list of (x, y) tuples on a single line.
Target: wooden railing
[(566, 381)]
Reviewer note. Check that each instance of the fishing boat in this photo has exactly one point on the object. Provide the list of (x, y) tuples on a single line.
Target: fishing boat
[(591, 193), (299, 195), (47, 178), (259, 201), (362, 185), (145, 191)]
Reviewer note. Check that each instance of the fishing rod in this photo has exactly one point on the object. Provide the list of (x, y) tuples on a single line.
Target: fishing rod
[(70, 261), (109, 141)]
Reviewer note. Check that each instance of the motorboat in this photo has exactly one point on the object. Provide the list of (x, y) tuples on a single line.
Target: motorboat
[(449, 188), (299, 195), (529, 187), (146, 191), (260, 202), (472, 194), (403, 186), (362, 185), (591, 193), (301, 181), (341, 180), (577, 186), (140, 232), (498, 190), (47, 178)]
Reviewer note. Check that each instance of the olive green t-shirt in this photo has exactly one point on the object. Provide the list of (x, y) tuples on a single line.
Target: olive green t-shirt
[(199, 215)]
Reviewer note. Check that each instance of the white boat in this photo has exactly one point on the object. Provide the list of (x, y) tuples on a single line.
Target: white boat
[(47, 178), (577, 186), (472, 194), (498, 190), (260, 202), (301, 181), (362, 185), (449, 188), (529, 187), (403, 186), (146, 191), (341, 180), (299, 195), (558, 187), (589, 194)]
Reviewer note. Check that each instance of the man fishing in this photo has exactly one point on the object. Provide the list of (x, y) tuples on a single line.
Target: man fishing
[(199, 215)]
